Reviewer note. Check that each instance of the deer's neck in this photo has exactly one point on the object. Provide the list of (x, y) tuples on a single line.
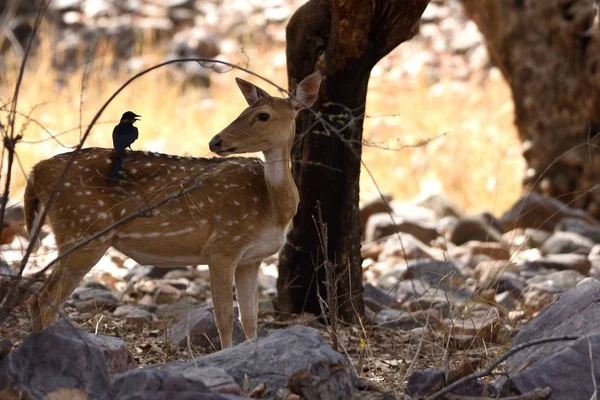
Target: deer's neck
[(281, 186)]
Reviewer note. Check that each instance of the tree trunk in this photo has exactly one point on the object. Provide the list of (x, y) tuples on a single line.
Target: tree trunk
[(548, 51), (343, 40)]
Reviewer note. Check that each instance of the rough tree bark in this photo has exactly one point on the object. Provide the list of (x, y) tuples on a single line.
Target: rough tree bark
[(548, 51), (343, 40)]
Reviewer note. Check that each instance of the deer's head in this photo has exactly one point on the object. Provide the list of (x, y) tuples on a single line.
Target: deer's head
[(268, 122)]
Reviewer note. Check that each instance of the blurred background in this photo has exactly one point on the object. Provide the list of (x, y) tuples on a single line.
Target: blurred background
[(439, 115)]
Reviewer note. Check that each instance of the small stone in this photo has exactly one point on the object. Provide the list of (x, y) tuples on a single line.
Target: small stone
[(132, 314), (567, 242), (490, 249), (117, 355)]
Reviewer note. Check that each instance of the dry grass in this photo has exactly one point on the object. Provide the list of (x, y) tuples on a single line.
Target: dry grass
[(476, 162)]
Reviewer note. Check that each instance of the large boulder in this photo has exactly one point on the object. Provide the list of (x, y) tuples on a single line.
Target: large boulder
[(60, 356), (271, 360), (564, 366)]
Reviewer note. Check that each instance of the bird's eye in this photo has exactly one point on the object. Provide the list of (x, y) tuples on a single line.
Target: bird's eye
[(263, 117)]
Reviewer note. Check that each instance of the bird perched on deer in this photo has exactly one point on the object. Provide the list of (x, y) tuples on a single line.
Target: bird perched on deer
[(123, 136)]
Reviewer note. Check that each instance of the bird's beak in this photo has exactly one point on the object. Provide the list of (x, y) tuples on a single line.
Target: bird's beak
[(137, 117)]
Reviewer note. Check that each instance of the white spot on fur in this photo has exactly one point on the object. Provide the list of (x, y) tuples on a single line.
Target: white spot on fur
[(245, 216), (209, 199), (106, 160), (123, 211), (237, 203), (103, 215), (202, 222), (88, 192), (67, 184), (133, 170), (148, 164), (236, 238), (165, 224), (180, 232), (100, 202)]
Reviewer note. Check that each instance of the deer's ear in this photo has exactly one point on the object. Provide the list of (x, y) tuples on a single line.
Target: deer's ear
[(307, 92), (251, 92)]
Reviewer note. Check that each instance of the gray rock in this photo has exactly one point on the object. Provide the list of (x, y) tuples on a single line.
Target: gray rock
[(378, 296), (410, 289), (93, 299), (563, 366), (374, 206), (324, 380), (132, 314), (435, 272), (201, 327), (190, 383), (421, 381), (385, 224), (567, 242), (556, 282), (60, 356), (5, 347), (440, 204), (477, 228), (403, 246), (540, 212), (581, 227), (577, 262), (117, 355), (271, 359)]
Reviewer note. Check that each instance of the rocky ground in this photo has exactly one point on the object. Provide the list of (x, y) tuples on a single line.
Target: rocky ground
[(448, 45), (445, 295)]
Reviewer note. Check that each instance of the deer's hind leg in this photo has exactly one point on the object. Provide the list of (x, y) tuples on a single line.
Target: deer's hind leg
[(63, 280)]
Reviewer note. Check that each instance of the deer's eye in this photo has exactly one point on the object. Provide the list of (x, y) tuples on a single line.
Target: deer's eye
[(263, 117)]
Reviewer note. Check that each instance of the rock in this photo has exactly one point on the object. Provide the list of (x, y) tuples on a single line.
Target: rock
[(481, 324), (201, 327), (117, 355), (540, 212), (557, 282), (567, 242), (176, 311), (378, 296), (5, 347), (385, 224), (93, 299), (526, 237), (374, 206), (403, 246), (577, 262), (132, 314), (474, 228), (395, 319), (189, 383), (422, 381), (409, 289), (488, 273), (323, 380), (434, 272), (579, 226), (144, 271), (564, 366), (440, 204), (271, 359), (60, 356), (490, 249)]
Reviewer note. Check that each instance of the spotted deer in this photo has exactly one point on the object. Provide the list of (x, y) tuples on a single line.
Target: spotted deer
[(238, 213)]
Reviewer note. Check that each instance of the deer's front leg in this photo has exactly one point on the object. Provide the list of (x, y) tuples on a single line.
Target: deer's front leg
[(246, 285), (221, 287)]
